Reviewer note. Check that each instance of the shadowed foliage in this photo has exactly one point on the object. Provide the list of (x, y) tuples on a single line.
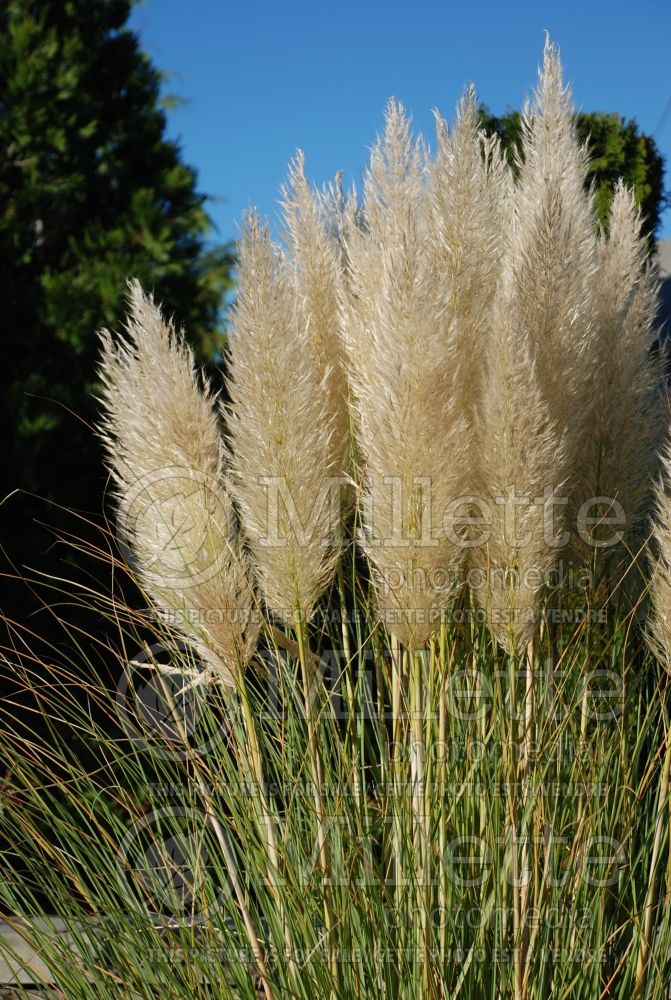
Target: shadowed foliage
[(92, 191)]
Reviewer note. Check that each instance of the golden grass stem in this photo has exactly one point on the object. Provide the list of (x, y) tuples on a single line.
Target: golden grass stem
[(225, 849), (420, 820), (513, 823), (273, 873), (651, 895), (312, 721), (442, 782)]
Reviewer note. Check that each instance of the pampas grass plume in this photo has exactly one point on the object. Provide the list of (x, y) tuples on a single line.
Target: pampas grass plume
[(533, 420), (404, 349), (659, 621), (314, 252), (628, 409), (165, 453), (284, 422), (553, 261)]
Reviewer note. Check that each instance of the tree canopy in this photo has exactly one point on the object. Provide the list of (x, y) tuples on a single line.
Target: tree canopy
[(92, 191)]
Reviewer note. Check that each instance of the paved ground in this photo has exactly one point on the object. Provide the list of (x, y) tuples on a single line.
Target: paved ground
[(18, 970), (28, 992)]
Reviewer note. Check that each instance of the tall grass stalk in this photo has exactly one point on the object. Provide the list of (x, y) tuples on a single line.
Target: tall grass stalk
[(225, 849), (314, 746)]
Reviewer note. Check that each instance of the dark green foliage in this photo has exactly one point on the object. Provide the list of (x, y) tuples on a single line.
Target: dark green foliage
[(91, 191), (617, 149)]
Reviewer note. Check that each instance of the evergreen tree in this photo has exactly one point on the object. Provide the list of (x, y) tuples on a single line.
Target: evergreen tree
[(91, 192)]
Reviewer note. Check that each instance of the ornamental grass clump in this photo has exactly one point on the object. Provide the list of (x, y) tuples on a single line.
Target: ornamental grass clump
[(421, 777)]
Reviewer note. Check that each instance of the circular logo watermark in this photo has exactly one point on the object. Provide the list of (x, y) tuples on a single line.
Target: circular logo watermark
[(159, 704), (173, 868), (173, 525)]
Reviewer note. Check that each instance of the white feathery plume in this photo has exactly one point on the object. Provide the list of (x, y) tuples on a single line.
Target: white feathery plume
[(540, 354), (470, 185), (394, 210), (161, 435), (315, 255), (519, 450), (659, 621), (553, 257), (627, 411), (411, 431), (286, 468)]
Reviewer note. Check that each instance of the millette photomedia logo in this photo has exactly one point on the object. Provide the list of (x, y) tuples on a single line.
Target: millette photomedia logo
[(183, 520)]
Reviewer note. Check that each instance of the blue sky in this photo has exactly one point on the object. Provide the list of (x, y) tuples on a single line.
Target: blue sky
[(260, 79)]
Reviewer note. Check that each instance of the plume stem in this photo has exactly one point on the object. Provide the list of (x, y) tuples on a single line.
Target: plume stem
[(225, 849), (312, 720), (513, 818), (651, 895), (442, 784), (397, 777), (273, 870)]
